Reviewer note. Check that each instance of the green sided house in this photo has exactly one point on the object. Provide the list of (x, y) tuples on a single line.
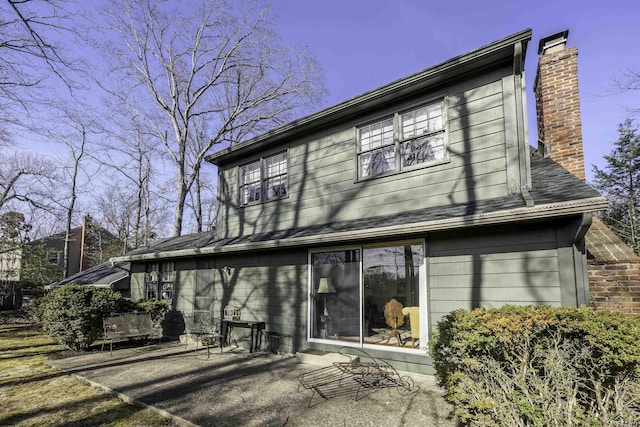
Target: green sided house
[(363, 224)]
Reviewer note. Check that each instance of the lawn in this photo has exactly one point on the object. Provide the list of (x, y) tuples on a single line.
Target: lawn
[(34, 394)]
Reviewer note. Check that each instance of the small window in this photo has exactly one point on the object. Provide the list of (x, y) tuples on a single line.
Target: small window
[(160, 281), (403, 140), (265, 179), (54, 257)]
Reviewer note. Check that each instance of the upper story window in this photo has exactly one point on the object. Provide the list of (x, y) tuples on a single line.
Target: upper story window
[(406, 139), (377, 148), (250, 183), (264, 179)]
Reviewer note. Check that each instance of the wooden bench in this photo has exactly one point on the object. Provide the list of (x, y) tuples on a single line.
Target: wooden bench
[(128, 326)]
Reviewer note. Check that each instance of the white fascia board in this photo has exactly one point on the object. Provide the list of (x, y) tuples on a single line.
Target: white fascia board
[(539, 212)]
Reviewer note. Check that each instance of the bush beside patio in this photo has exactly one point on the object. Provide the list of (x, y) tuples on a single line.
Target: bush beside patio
[(534, 366), (72, 315)]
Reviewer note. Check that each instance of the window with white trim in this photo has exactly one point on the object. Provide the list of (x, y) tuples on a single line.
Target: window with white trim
[(264, 179), (250, 183), (376, 144), (160, 281), (407, 139)]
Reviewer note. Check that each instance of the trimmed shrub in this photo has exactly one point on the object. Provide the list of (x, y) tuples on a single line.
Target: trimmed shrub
[(539, 366), (126, 306), (157, 309), (72, 315)]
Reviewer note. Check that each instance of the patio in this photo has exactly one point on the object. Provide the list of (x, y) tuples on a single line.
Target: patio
[(238, 388)]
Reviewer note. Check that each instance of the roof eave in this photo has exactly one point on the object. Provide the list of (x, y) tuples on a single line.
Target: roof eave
[(539, 212), (501, 50)]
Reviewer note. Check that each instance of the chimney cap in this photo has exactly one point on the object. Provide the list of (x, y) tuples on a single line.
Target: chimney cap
[(552, 40)]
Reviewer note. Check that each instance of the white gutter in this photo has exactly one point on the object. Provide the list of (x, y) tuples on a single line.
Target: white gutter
[(552, 210)]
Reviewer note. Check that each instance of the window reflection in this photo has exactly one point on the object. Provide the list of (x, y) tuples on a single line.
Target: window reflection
[(391, 287), (335, 308), (382, 310)]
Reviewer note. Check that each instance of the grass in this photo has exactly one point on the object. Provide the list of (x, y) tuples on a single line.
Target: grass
[(35, 394)]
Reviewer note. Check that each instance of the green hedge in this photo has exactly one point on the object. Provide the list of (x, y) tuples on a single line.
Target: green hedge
[(157, 309), (539, 366), (72, 315)]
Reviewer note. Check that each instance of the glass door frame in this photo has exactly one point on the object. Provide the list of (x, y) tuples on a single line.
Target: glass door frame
[(422, 298)]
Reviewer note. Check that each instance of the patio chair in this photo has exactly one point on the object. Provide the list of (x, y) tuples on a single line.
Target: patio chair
[(204, 328)]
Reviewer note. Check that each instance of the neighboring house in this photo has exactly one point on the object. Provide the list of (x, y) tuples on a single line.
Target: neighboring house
[(363, 224), (89, 244), (112, 275), (10, 295)]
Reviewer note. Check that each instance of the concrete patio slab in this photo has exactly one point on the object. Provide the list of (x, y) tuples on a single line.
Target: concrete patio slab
[(238, 388)]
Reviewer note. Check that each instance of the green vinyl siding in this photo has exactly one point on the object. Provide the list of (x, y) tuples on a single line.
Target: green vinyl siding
[(509, 265), (323, 187), (204, 287), (137, 281), (267, 286), (183, 299)]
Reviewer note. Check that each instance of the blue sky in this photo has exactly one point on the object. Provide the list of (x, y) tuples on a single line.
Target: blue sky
[(364, 44)]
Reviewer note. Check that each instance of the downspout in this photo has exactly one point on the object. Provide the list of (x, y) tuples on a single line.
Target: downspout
[(585, 223), (524, 164), (526, 196), (580, 260)]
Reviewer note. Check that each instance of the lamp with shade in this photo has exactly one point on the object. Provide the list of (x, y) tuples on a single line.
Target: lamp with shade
[(325, 287)]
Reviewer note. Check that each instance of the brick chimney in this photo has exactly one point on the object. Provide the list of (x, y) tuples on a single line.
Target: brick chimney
[(558, 103)]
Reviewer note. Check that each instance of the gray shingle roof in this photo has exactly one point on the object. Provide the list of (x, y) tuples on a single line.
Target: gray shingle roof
[(103, 274), (551, 183)]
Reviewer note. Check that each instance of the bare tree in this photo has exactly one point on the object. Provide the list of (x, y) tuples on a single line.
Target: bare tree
[(202, 193), (128, 152), (211, 60), (76, 151), (628, 81), (26, 179), (30, 57), (72, 130), (117, 212)]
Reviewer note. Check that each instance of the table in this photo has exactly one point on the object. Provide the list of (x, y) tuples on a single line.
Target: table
[(255, 326)]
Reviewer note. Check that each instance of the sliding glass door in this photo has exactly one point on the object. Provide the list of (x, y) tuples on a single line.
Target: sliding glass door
[(370, 295), (335, 301)]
